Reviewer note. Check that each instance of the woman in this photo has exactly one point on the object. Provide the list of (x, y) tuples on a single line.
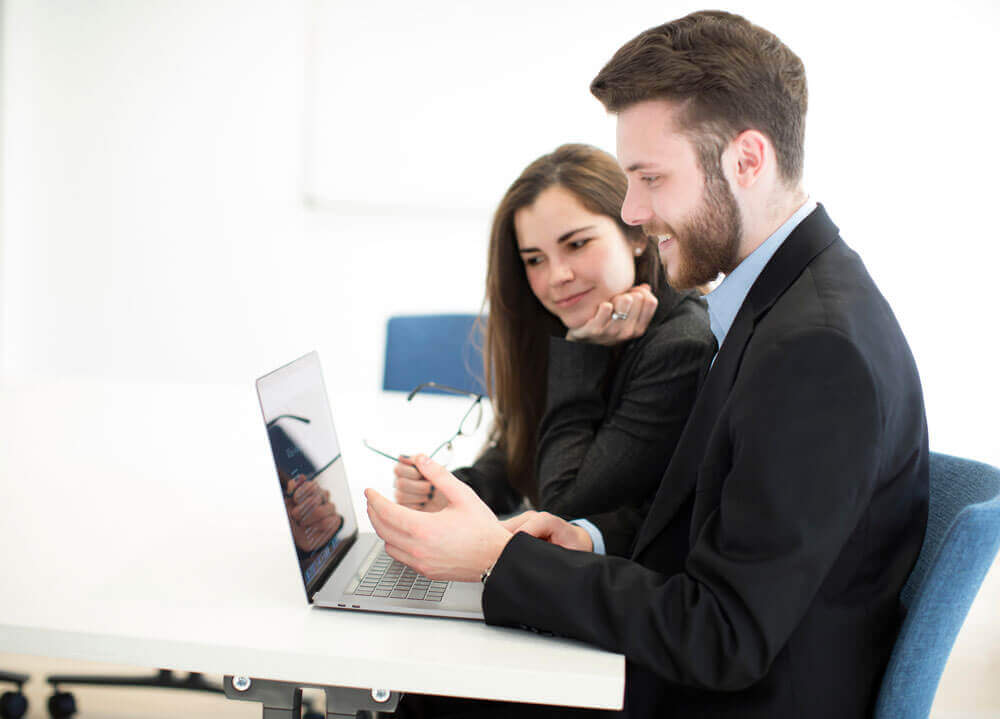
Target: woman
[(592, 361)]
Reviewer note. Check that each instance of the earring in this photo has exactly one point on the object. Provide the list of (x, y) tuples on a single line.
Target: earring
[(638, 251)]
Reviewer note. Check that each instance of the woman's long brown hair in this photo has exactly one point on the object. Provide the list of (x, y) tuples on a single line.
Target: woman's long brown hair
[(518, 327)]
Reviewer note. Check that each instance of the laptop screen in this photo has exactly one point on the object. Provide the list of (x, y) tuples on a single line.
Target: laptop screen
[(310, 469)]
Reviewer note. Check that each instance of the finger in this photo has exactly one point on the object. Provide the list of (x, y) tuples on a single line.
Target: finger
[(331, 523), (305, 490), (406, 471), (415, 506), (539, 526), (594, 326), (290, 487), (413, 486), (646, 311), (389, 532), (623, 304), (411, 500), (323, 514), (303, 509), (627, 328), (401, 519), (454, 490), (512, 524), (602, 317), (622, 327), (558, 531)]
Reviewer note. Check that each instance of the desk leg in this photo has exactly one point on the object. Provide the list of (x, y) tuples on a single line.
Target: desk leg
[(283, 700)]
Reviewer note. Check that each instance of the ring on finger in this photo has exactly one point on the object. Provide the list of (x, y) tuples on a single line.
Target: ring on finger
[(619, 315), (430, 495)]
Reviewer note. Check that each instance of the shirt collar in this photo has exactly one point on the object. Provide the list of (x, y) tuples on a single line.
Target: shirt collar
[(726, 299)]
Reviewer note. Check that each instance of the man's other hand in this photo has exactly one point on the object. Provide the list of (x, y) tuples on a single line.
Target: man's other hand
[(552, 529)]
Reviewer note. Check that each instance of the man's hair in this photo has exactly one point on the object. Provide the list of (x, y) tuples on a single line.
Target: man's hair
[(728, 74)]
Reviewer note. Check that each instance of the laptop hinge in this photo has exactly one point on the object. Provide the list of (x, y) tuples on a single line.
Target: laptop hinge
[(320, 579)]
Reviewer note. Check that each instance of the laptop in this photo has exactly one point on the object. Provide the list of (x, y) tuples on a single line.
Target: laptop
[(341, 567)]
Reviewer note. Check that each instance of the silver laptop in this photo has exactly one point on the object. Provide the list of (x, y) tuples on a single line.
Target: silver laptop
[(341, 568)]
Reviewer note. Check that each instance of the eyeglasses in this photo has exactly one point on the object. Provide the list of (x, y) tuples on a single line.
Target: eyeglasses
[(470, 422)]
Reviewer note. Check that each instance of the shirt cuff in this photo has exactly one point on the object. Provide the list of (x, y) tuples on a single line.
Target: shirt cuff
[(595, 534)]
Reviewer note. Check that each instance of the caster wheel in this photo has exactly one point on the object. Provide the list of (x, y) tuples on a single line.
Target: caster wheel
[(62, 705), (13, 705)]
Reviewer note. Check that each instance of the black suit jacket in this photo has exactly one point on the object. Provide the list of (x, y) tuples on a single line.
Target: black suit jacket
[(765, 579)]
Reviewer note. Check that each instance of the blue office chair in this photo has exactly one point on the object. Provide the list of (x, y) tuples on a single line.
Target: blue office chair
[(446, 349), (963, 535)]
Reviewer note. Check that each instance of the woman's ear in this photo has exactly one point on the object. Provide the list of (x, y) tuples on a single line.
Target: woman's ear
[(638, 243)]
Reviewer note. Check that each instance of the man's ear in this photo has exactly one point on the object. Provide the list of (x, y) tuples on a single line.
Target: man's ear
[(751, 154)]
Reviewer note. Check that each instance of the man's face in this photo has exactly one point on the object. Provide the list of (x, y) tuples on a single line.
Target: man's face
[(694, 216)]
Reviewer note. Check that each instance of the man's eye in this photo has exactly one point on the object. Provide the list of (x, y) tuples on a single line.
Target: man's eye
[(650, 179)]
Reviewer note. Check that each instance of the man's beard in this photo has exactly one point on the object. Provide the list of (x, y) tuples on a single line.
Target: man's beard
[(709, 242)]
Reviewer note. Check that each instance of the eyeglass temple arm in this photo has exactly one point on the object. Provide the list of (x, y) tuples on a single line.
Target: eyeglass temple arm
[(442, 387)]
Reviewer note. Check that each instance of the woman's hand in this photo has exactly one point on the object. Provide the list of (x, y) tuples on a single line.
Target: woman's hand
[(624, 317), (415, 492)]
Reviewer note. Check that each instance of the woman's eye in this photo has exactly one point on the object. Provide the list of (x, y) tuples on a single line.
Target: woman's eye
[(577, 244), (533, 260)]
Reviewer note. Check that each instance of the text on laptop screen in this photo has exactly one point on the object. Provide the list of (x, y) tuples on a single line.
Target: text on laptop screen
[(309, 465)]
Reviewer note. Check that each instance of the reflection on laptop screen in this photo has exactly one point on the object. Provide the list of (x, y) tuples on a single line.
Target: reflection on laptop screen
[(309, 466)]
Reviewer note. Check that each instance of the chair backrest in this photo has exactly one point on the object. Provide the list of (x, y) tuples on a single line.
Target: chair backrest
[(446, 349), (962, 538)]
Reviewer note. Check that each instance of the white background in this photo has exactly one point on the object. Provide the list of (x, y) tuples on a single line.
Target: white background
[(201, 191)]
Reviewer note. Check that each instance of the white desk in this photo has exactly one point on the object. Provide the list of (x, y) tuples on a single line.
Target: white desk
[(140, 526)]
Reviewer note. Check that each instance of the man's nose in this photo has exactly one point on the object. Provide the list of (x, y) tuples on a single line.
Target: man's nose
[(636, 209)]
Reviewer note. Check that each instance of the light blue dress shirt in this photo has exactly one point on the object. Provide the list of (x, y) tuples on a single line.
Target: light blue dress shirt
[(724, 301), (723, 304)]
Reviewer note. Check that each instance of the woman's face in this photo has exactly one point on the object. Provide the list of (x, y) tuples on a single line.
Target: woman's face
[(574, 259)]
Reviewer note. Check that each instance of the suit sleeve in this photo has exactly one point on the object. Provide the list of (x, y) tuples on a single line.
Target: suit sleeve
[(590, 461), (488, 477), (804, 431)]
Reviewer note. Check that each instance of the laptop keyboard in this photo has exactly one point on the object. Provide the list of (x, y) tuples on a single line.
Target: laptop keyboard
[(390, 578)]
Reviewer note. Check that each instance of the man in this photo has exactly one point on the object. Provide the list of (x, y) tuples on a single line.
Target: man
[(764, 581)]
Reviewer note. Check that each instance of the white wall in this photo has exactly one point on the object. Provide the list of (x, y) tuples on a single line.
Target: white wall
[(155, 227), (156, 155)]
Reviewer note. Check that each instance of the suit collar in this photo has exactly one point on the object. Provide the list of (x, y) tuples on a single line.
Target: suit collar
[(726, 299), (813, 235)]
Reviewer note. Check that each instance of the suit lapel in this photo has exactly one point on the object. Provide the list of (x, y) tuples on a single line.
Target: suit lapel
[(681, 475), (813, 235)]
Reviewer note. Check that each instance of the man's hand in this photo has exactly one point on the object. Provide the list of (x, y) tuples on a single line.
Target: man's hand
[(458, 543), (552, 529), (634, 310), (415, 492)]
